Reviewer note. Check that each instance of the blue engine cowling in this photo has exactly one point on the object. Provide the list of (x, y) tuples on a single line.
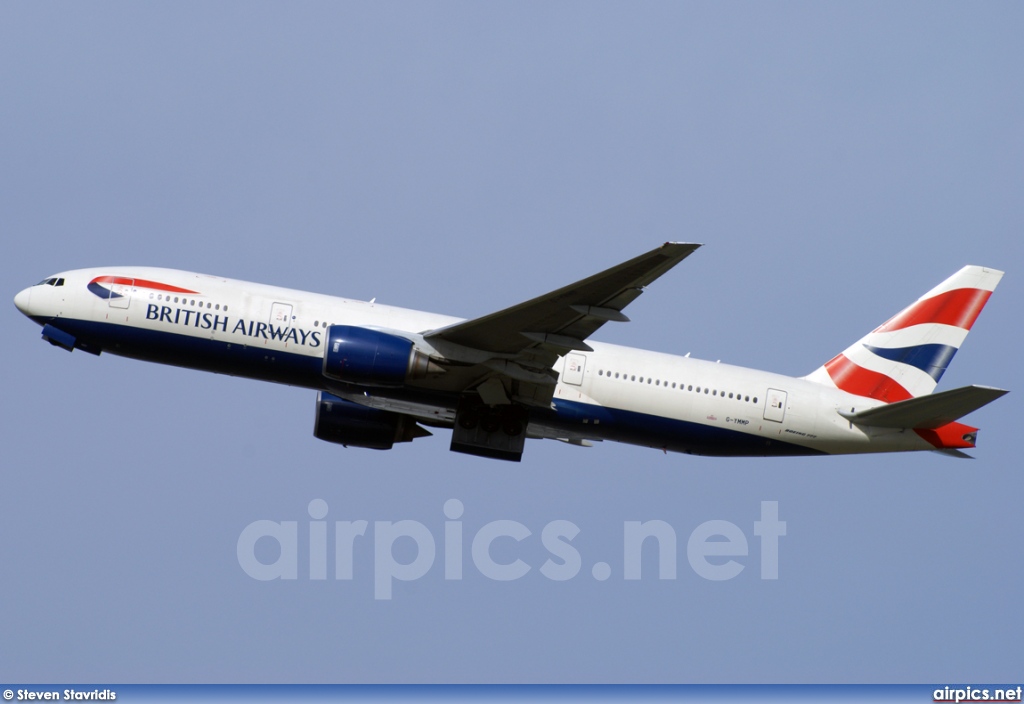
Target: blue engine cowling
[(352, 425), (372, 358)]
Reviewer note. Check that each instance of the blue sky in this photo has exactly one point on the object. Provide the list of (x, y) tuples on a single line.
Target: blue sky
[(838, 160)]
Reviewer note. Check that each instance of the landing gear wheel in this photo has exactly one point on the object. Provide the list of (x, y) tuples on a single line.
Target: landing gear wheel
[(511, 426), (490, 422)]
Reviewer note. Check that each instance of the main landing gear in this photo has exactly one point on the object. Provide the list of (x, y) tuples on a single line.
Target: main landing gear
[(498, 432)]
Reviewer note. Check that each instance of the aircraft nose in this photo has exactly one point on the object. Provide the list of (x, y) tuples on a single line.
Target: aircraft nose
[(23, 300)]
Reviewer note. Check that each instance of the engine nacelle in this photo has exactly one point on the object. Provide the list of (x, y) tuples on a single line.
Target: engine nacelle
[(372, 358), (352, 425)]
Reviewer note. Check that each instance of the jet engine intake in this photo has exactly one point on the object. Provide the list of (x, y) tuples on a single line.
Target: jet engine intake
[(372, 358), (352, 425)]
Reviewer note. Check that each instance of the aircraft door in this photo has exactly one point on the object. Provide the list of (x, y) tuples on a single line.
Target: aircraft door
[(120, 293), (281, 315), (775, 405), (572, 373)]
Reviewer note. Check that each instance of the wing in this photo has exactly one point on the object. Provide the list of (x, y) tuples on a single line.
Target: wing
[(520, 343), (563, 319)]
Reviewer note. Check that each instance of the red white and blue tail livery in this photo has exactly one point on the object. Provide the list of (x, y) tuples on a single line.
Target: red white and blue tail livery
[(907, 355), (386, 375)]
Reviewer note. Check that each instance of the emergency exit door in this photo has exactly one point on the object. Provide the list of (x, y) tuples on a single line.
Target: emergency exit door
[(281, 315), (573, 370), (775, 405)]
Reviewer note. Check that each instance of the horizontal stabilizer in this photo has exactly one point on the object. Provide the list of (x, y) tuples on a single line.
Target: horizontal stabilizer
[(926, 412)]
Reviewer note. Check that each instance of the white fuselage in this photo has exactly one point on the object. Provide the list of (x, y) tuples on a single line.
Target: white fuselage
[(201, 321)]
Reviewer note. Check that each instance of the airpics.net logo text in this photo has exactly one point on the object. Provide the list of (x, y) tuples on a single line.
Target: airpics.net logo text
[(716, 550)]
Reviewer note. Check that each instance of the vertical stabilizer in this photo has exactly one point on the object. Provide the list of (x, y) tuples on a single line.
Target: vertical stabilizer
[(906, 356)]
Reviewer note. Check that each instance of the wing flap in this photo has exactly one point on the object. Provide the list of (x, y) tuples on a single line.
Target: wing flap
[(927, 412)]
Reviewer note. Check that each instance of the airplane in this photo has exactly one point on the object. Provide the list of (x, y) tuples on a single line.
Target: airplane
[(384, 375)]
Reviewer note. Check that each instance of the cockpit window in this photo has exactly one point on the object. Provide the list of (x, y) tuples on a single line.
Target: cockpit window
[(52, 281)]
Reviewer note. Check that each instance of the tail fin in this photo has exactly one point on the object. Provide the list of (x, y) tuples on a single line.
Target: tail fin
[(906, 356)]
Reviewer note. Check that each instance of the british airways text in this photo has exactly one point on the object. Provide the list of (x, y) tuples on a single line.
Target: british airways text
[(213, 321)]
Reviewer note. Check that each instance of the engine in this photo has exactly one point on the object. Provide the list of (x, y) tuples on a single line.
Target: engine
[(352, 425), (372, 358)]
